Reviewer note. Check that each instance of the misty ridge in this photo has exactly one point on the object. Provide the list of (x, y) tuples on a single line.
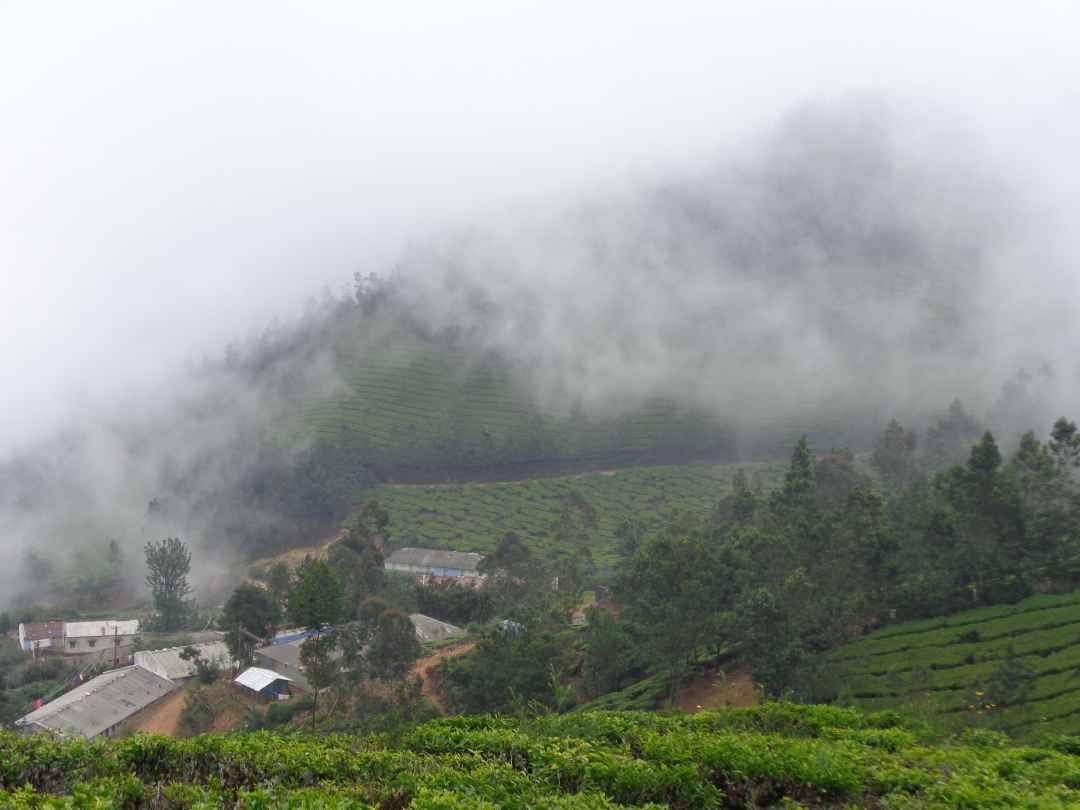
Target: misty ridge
[(845, 268)]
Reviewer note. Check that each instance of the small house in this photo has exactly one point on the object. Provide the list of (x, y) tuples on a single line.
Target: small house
[(265, 682)]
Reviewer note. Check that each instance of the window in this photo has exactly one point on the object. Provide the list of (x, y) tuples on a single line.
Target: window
[(72, 644), (92, 642)]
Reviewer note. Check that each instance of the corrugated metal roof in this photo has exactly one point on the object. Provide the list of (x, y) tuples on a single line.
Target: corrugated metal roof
[(429, 629), (100, 703), (104, 627), (257, 678), (436, 558), (168, 664)]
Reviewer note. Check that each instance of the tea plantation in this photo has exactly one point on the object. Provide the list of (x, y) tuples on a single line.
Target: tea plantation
[(472, 517), (1013, 667), (417, 403), (775, 755)]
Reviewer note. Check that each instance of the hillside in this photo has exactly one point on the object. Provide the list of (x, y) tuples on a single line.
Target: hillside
[(775, 755), (419, 402), (1012, 667), (473, 516)]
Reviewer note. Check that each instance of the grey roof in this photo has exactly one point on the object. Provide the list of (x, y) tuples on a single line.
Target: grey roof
[(429, 629), (436, 558), (100, 703), (283, 653), (168, 664)]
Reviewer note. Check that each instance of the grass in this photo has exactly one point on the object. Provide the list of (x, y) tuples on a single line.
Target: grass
[(472, 517), (942, 668)]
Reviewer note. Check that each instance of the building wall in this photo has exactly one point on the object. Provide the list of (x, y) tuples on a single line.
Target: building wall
[(94, 644)]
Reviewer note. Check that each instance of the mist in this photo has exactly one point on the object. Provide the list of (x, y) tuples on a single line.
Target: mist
[(777, 214)]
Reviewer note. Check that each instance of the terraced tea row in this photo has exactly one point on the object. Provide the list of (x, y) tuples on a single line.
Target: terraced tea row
[(1015, 667), (416, 403), (772, 755)]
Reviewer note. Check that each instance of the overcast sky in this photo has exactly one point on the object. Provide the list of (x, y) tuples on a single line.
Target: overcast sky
[(173, 175)]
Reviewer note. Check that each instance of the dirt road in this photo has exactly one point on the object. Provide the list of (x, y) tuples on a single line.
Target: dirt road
[(423, 669)]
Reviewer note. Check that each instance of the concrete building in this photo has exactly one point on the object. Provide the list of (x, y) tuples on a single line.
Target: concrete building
[(434, 562), (267, 683), (34, 636), (98, 707), (167, 663), (104, 639), (107, 635)]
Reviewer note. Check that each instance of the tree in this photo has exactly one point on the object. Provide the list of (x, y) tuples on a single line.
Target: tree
[(208, 671), (315, 599), (511, 556), (320, 666), (894, 455), (249, 613), (279, 578), (672, 590), (168, 564), (394, 647)]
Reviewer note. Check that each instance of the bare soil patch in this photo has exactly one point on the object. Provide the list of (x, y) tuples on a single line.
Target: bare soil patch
[(164, 716), (714, 690)]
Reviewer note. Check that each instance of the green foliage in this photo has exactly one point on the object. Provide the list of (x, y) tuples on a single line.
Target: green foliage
[(394, 646), (168, 564), (316, 597), (475, 517), (197, 715), (773, 755), (250, 612)]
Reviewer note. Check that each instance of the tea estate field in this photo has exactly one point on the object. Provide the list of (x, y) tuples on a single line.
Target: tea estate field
[(1011, 667), (472, 517), (775, 755)]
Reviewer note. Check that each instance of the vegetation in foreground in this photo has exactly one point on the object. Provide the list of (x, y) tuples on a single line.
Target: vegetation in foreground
[(775, 755)]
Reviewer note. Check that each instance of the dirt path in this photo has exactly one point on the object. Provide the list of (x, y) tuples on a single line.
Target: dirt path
[(423, 669), (294, 556), (713, 690), (164, 716)]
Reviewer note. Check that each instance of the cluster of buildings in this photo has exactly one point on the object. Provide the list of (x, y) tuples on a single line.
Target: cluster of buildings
[(104, 705), (115, 700), (101, 706)]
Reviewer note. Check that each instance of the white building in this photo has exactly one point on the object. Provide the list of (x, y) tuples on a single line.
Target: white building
[(104, 634)]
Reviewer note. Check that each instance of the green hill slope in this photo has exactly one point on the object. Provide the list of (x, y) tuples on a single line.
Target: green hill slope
[(772, 756), (1014, 667), (421, 403), (472, 517)]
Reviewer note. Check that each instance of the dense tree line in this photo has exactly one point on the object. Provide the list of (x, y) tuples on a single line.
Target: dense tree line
[(779, 578)]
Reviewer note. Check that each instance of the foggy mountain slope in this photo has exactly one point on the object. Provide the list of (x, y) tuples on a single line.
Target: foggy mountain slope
[(844, 268)]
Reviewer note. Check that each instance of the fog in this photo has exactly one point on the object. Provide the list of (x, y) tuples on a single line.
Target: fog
[(775, 208)]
